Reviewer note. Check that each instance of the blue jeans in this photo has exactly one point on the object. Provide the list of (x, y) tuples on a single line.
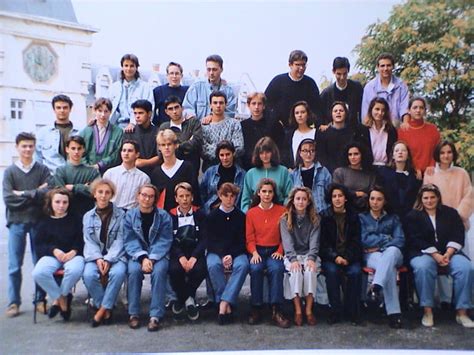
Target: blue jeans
[(334, 273), (425, 270), (158, 287), (227, 291), (116, 276), (385, 264), (48, 265), (16, 252), (275, 271)]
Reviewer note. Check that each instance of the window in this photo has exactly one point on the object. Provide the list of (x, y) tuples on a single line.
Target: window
[(17, 106)]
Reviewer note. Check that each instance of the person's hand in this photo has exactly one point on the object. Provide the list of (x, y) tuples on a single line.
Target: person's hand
[(140, 163), (341, 261), (103, 266), (69, 255), (256, 258), (106, 267), (430, 171), (419, 174), (206, 120), (191, 262), (59, 255), (43, 186), (277, 256), (184, 263), (311, 265), (69, 187), (130, 128), (295, 266), (371, 250), (147, 266), (405, 119), (92, 121), (227, 261), (360, 194), (440, 259), (17, 193), (323, 127)]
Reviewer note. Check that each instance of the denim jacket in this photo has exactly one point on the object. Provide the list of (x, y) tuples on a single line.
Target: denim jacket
[(47, 147), (208, 186), (160, 237), (93, 246), (322, 178), (381, 233)]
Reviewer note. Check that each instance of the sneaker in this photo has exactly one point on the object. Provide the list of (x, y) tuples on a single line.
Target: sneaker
[(153, 324), (13, 310), (465, 321), (427, 320), (177, 308), (191, 309)]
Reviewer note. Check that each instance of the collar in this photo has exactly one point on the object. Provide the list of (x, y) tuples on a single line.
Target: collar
[(181, 214), (24, 168), (293, 79), (265, 209), (341, 88), (382, 215), (172, 124), (227, 212), (438, 168)]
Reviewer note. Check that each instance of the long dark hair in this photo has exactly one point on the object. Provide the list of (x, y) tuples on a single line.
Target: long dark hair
[(48, 203), (265, 144)]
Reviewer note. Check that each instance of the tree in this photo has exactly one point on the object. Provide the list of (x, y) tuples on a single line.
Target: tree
[(431, 41)]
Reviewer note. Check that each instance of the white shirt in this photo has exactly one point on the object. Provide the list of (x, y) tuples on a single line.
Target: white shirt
[(25, 168), (171, 171)]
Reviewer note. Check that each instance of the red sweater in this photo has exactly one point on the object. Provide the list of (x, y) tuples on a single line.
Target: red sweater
[(422, 141), (263, 228)]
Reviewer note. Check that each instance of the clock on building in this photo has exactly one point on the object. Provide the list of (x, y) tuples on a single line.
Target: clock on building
[(40, 62)]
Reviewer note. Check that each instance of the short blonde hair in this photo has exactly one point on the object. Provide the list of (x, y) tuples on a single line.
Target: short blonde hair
[(166, 135), (98, 182), (256, 95)]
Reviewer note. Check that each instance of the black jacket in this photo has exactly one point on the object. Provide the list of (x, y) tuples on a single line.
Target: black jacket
[(354, 101), (189, 240), (364, 135)]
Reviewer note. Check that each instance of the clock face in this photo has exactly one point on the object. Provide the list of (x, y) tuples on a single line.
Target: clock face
[(40, 62)]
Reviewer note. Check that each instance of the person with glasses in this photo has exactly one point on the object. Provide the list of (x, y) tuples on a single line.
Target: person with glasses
[(435, 237), (148, 233)]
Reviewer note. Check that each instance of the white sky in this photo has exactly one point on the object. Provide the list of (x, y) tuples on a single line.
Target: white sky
[(252, 36)]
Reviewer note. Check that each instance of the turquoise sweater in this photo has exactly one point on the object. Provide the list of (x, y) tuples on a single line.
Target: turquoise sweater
[(279, 174)]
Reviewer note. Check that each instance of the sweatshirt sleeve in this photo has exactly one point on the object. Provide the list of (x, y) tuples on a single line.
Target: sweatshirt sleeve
[(250, 232), (314, 243), (287, 240)]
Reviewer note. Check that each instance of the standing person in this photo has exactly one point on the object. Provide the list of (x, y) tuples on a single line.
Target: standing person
[(265, 247), (389, 87), (435, 237), (76, 177), (357, 175), (378, 132), (188, 132), (103, 139), (174, 75), (343, 90), (330, 143), (144, 134), (382, 242), (310, 173), (258, 125), (187, 260), (300, 232), (288, 88), (197, 102), (51, 140), (421, 136), (59, 246), (341, 254), (219, 128), (24, 185), (266, 160), (126, 177), (106, 264), (148, 236), (301, 127), (172, 170), (226, 252), (226, 171), (125, 91), (399, 180)]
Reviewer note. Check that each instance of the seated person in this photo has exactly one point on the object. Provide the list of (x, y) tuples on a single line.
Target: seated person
[(226, 171), (106, 264), (148, 236), (382, 241), (59, 246), (266, 250), (435, 237), (300, 229), (187, 260), (226, 251), (341, 254)]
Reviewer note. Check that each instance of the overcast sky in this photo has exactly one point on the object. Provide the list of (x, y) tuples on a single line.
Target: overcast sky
[(253, 37)]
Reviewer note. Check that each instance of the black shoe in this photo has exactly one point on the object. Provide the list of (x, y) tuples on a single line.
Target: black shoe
[(222, 319), (67, 313), (395, 321), (333, 318), (54, 311), (192, 312)]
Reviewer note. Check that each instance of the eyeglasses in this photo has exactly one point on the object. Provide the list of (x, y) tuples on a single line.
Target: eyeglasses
[(307, 151), (146, 196)]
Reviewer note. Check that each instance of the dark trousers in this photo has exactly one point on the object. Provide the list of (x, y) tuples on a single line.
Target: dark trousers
[(186, 284)]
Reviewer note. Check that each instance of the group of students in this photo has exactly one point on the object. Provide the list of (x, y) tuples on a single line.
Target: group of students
[(313, 197)]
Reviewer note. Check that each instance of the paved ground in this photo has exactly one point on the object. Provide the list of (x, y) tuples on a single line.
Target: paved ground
[(19, 335)]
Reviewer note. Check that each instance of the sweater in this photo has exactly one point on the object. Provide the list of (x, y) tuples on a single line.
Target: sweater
[(185, 173), (456, 190), (351, 95), (81, 176), (189, 240), (226, 233), (160, 94), (422, 141), (302, 240), (355, 180), (27, 207), (262, 228), (146, 138), (283, 92), (59, 233), (279, 174), (106, 154)]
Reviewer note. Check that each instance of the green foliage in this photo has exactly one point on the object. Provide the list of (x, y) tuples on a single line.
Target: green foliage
[(463, 138), (431, 41)]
